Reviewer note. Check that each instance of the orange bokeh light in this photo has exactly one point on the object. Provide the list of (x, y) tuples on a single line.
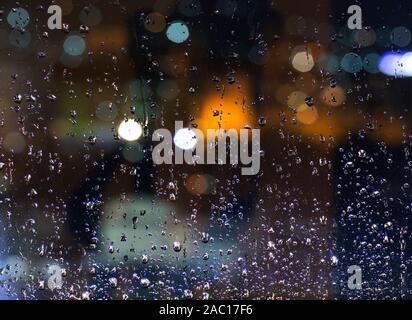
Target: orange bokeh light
[(227, 108)]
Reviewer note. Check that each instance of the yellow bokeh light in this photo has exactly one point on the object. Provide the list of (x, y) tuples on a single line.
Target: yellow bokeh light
[(296, 99), (307, 115)]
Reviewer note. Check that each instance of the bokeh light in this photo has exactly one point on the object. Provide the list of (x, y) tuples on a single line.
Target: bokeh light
[(130, 130), (371, 62), (302, 59), (185, 139), (199, 184), (365, 37), (396, 64), (329, 63), (228, 111), (74, 45), (307, 115), (333, 96), (177, 32), (155, 22), (296, 98), (351, 63), (18, 18)]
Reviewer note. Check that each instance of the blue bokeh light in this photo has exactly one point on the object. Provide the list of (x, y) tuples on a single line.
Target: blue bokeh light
[(177, 32), (18, 18)]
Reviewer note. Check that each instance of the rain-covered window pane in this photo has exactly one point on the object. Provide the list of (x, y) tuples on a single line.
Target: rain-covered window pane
[(205, 149)]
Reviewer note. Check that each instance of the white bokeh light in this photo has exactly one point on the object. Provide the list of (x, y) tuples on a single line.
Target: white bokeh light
[(130, 130), (185, 139), (406, 63), (396, 64), (302, 60)]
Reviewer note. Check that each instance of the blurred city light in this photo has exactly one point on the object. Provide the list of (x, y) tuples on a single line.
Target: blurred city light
[(130, 130), (185, 139), (396, 64)]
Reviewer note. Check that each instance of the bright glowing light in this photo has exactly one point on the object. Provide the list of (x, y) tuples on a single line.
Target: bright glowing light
[(396, 64), (130, 130), (390, 64), (185, 139), (406, 62)]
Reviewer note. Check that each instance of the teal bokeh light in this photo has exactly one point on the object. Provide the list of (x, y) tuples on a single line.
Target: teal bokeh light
[(371, 62), (74, 45), (351, 63), (329, 62), (18, 18), (177, 32)]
